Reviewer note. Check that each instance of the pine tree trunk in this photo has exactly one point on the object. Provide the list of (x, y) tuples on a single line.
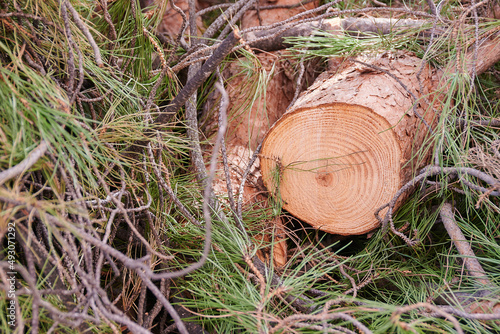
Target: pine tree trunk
[(351, 141)]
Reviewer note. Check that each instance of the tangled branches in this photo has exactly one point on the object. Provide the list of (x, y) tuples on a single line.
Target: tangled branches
[(102, 223)]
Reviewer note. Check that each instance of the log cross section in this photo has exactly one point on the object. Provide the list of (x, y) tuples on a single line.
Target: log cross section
[(349, 142)]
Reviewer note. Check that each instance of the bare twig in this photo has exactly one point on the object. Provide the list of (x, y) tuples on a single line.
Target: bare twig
[(302, 303), (293, 319), (220, 21), (467, 255), (178, 39), (224, 103), (396, 314), (298, 86), (244, 179), (197, 80), (212, 8), (79, 23), (193, 132), (295, 5), (191, 108), (24, 165), (466, 315), (169, 190), (235, 18), (430, 171)]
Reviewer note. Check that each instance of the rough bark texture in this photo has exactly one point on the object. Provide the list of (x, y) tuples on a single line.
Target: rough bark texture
[(353, 26), (253, 110), (470, 260), (251, 19), (488, 54), (172, 20), (349, 142)]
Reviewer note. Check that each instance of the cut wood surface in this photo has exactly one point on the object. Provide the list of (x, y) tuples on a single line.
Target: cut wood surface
[(350, 142)]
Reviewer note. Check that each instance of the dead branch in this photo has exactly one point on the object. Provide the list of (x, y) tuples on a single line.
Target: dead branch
[(197, 80), (24, 165), (425, 173), (75, 235), (294, 319), (467, 255), (79, 23), (302, 303), (466, 315), (396, 314)]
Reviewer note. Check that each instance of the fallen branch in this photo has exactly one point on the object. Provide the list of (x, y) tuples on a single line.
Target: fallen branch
[(199, 78), (359, 27), (397, 314), (79, 23), (467, 255), (302, 303)]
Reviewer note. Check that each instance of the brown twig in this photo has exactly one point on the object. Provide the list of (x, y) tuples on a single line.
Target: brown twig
[(24, 165), (221, 19), (231, 24), (467, 255), (397, 314), (191, 109), (199, 78), (294, 319), (430, 171), (79, 23)]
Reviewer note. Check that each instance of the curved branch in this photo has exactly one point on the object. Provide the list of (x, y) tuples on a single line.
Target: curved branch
[(24, 165)]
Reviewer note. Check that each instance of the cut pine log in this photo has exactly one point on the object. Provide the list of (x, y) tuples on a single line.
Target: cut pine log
[(353, 138), (350, 142)]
